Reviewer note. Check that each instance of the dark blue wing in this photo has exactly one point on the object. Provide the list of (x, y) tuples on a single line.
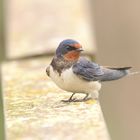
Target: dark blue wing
[(87, 70)]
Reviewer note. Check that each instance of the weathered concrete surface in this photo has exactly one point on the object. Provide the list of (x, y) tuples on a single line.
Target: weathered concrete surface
[(34, 110)]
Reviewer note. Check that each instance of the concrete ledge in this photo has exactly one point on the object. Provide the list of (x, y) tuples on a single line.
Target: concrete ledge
[(34, 110)]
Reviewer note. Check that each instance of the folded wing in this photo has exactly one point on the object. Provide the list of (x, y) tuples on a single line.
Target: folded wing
[(87, 70), (90, 71)]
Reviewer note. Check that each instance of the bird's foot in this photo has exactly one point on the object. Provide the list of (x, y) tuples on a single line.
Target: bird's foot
[(82, 100), (76, 100), (69, 100)]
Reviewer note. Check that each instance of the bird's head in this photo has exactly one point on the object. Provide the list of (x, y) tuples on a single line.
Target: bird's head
[(69, 49)]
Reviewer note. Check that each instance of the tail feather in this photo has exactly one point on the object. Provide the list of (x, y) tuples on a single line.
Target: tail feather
[(133, 73), (122, 68), (114, 73)]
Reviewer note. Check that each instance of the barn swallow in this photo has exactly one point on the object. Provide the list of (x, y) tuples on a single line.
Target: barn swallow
[(76, 74)]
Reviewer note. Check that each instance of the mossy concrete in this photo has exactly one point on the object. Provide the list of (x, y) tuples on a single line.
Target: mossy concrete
[(34, 110)]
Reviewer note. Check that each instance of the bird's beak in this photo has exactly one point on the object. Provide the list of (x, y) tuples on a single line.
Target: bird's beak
[(79, 49)]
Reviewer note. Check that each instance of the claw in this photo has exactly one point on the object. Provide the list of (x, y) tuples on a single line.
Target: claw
[(86, 98), (82, 100), (76, 100), (69, 100), (66, 101)]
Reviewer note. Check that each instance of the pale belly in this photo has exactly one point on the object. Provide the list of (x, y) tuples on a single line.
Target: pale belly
[(70, 82)]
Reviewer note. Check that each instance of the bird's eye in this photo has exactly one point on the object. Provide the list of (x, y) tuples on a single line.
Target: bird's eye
[(69, 48)]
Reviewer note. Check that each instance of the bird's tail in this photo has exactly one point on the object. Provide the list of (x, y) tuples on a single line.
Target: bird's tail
[(115, 73), (133, 73)]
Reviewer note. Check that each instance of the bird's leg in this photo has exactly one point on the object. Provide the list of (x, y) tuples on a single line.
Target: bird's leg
[(77, 100), (84, 99), (70, 99)]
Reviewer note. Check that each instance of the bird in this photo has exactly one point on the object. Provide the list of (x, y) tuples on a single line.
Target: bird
[(74, 73)]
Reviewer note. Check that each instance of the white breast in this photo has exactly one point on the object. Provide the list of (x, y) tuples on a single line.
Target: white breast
[(70, 82)]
